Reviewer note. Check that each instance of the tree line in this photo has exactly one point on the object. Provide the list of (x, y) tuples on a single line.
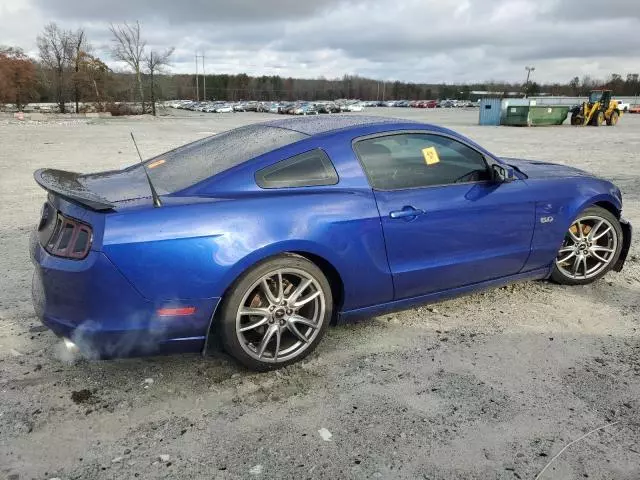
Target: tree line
[(66, 71)]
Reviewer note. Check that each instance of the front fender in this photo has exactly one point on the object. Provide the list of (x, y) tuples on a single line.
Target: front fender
[(609, 197), (554, 216)]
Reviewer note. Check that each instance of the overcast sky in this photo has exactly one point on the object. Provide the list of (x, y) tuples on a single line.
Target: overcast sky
[(413, 40)]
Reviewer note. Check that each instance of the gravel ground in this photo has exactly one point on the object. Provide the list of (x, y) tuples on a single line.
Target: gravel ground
[(491, 385)]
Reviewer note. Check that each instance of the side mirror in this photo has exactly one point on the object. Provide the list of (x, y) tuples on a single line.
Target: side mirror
[(502, 173)]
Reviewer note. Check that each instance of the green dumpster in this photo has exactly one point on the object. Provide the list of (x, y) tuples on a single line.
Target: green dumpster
[(547, 115), (516, 116)]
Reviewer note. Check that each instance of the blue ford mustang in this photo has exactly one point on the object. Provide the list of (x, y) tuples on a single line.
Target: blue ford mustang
[(261, 236)]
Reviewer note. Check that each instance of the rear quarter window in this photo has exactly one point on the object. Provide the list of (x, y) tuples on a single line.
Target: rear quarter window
[(312, 168), (187, 165)]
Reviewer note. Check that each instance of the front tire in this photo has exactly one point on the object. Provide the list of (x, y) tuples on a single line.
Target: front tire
[(613, 119), (276, 313), (590, 248), (598, 120)]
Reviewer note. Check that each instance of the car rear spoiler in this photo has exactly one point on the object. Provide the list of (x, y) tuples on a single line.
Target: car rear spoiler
[(68, 186)]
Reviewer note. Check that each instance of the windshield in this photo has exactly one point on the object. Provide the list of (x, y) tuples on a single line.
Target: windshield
[(595, 96), (187, 165)]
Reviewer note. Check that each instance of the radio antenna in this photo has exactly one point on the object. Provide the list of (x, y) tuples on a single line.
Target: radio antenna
[(154, 194)]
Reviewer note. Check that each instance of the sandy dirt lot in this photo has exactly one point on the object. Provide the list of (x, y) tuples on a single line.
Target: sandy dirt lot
[(489, 386)]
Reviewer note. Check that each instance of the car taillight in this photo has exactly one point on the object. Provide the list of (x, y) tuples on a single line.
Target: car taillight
[(70, 238)]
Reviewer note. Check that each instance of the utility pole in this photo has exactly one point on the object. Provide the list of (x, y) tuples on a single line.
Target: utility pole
[(197, 86), (384, 87), (204, 81), (153, 98), (526, 84)]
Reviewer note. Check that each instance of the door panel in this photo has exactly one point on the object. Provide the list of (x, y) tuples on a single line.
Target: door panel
[(446, 222), (455, 235)]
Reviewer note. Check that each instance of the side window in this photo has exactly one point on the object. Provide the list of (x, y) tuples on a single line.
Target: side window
[(413, 160), (308, 169)]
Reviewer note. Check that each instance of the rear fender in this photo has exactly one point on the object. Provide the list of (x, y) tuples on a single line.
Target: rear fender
[(361, 287), (245, 264)]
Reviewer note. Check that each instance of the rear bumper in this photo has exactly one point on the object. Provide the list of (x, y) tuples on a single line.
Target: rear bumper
[(627, 234), (91, 303)]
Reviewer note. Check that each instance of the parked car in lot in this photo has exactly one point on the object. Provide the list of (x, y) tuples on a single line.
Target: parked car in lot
[(425, 104), (224, 108), (288, 108), (251, 107), (263, 107), (323, 107), (183, 104), (305, 109), (262, 235), (356, 107)]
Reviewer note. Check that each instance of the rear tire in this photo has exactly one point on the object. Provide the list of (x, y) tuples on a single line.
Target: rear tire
[(576, 119), (265, 330), (590, 248)]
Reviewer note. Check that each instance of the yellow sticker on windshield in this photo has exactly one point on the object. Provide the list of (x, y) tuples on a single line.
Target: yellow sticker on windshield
[(430, 155), (155, 164)]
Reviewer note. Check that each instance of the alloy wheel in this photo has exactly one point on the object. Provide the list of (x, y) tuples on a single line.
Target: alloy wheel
[(280, 315), (588, 248)]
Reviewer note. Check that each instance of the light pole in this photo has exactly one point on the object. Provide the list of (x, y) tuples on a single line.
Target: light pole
[(526, 85), (197, 87), (204, 79)]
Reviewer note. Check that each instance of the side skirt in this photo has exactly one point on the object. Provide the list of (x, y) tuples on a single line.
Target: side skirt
[(407, 303)]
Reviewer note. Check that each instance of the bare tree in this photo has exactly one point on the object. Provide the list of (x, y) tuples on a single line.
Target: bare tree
[(129, 48), (79, 48), (156, 63), (55, 47)]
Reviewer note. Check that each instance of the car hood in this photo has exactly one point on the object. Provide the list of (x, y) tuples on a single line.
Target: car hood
[(536, 169)]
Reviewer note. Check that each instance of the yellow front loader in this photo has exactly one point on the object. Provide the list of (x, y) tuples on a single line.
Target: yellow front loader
[(598, 110)]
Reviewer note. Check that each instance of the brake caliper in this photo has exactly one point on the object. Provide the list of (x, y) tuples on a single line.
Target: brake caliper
[(585, 229)]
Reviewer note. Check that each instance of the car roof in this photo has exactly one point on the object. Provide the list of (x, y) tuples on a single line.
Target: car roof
[(319, 124)]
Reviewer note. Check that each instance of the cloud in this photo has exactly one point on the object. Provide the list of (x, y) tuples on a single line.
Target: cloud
[(412, 40), (193, 11), (580, 10)]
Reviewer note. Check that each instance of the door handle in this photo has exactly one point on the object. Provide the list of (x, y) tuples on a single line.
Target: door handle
[(406, 212)]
